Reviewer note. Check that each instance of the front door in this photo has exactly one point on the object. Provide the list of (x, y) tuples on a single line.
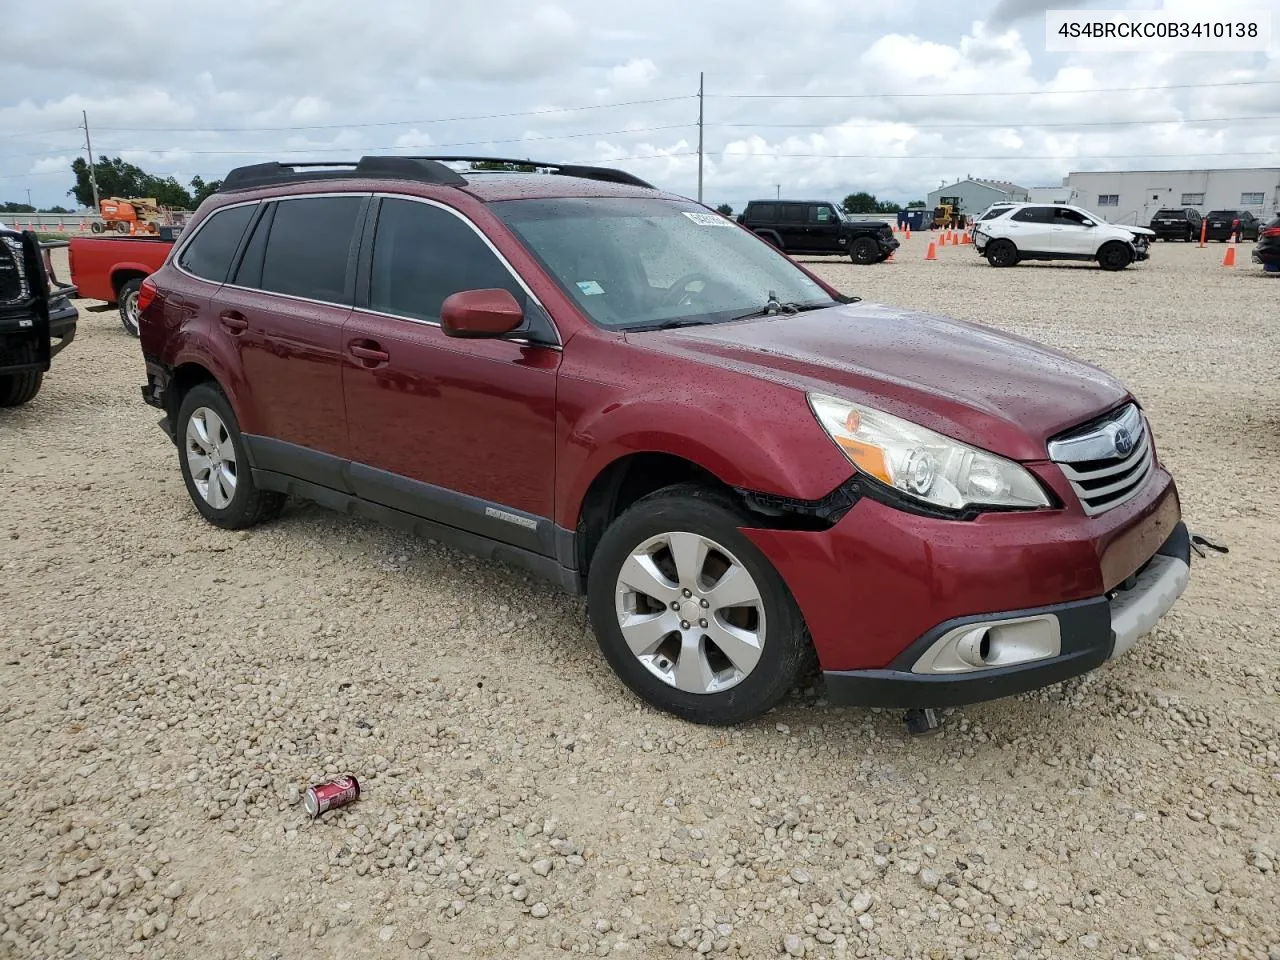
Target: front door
[(458, 431), (1073, 233), (285, 307), (824, 228)]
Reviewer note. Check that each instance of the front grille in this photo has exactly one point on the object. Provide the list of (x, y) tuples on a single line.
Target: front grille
[(1090, 457)]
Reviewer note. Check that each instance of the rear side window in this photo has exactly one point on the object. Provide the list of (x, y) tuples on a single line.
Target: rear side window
[(209, 253), (992, 214), (309, 250), (1034, 215), (762, 212), (423, 254), (793, 213)]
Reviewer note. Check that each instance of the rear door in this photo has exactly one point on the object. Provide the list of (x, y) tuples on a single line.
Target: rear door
[(459, 431), (793, 227), (285, 309), (1031, 229)]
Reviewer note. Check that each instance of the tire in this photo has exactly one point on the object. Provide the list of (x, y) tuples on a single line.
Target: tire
[(1114, 255), (231, 505), (771, 239), (723, 690), (1002, 253), (19, 388), (864, 251), (127, 299), (96, 226)]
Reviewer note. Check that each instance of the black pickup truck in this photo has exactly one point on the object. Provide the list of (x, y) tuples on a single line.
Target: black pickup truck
[(819, 227), (37, 318)]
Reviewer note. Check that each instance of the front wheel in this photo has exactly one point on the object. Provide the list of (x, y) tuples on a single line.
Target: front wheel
[(864, 251), (1002, 253), (127, 299), (215, 467), (688, 611), (19, 388), (1114, 256)]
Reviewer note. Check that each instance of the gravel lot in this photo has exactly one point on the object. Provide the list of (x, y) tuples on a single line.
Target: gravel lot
[(168, 688)]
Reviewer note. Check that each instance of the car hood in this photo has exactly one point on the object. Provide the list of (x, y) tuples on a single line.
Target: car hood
[(1137, 231), (993, 390)]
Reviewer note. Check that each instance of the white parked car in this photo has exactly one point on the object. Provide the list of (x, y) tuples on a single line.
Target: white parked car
[(1008, 233)]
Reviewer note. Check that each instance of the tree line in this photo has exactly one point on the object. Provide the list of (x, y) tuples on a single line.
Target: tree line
[(116, 178)]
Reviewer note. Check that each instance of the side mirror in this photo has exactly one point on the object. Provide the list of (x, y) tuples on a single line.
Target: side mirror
[(1088, 223), (479, 314)]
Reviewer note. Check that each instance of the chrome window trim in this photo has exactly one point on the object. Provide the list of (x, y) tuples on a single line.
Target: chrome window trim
[(558, 345)]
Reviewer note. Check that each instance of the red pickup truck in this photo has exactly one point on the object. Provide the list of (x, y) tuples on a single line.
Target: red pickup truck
[(112, 269)]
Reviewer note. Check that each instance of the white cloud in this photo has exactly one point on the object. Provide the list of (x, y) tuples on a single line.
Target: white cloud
[(633, 73)]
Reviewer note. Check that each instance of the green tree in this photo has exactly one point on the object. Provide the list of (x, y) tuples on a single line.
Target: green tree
[(116, 178), (55, 210), (725, 210), (502, 166), (915, 205), (887, 206), (11, 207), (860, 202), (201, 191)]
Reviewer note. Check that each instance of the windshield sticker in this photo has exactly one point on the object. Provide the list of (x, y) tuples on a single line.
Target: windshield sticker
[(590, 288), (708, 219)]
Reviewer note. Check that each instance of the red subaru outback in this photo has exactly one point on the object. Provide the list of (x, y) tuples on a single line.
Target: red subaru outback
[(625, 392)]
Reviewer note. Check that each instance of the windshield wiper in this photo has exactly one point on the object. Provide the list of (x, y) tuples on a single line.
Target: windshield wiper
[(774, 307), (674, 322)]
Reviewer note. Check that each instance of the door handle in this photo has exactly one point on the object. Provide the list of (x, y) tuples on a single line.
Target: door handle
[(368, 352), (233, 321)]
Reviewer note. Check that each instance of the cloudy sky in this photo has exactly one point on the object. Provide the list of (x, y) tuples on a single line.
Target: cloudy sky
[(823, 97)]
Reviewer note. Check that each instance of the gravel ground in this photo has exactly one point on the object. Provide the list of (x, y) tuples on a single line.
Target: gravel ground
[(168, 688)]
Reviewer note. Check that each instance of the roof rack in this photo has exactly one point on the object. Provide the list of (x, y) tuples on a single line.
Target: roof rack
[(605, 174), (423, 169)]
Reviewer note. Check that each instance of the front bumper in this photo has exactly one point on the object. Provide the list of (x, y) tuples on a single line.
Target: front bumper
[(1090, 632)]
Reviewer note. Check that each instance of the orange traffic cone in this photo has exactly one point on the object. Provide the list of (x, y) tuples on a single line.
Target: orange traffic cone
[(964, 238), (933, 251), (1229, 260), (942, 239), (83, 227), (889, 258), (908, 231)]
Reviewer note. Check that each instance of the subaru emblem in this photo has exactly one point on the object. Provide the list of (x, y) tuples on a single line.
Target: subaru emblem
[(1123, 441)]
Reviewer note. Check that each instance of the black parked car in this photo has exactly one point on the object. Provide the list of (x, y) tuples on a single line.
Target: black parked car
[(37, 318), (1177, 224), (1267, 250), (818, 227), (1221, 224)]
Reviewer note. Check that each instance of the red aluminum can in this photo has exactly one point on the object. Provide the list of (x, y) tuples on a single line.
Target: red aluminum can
[(331, 794)]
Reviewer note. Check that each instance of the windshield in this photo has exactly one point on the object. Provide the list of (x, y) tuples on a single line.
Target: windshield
[(631, 264)]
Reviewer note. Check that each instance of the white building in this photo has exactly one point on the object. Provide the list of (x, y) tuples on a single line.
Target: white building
[(1052, 195), (1133, 196)]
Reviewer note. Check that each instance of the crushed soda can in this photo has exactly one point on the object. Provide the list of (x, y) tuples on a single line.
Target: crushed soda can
[(331, 794)]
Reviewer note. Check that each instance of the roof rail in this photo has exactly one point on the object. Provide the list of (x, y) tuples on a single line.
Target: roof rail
[(561, 169), (423, 169)]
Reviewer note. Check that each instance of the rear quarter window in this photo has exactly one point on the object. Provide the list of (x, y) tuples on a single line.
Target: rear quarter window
[(208, 255)]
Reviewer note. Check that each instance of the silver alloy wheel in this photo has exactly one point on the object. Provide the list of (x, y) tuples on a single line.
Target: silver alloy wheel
[(690, 612), (129, 310), (211, 457)]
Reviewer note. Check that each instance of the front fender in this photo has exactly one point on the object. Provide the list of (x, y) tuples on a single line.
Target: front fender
[(758, 436)]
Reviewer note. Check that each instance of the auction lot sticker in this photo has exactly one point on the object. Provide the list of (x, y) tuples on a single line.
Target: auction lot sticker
[(1186, 29)]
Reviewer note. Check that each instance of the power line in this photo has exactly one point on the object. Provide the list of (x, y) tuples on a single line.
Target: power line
[(984, 126), (985, 93), (394, 123), (1014, 156)]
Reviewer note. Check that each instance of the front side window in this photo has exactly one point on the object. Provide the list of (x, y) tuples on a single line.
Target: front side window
[(423, 254), (822, 214), (309, 249), (208, 255), (1071, 217), (640, 263)]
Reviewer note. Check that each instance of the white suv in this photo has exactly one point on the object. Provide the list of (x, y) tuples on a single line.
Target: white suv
[(1009, 233)]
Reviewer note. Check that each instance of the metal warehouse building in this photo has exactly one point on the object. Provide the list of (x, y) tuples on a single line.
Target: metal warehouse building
[(1133, 196), (977, 194)]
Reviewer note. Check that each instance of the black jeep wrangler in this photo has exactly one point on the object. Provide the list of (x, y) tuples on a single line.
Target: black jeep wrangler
[(37, 318), (818, 227)]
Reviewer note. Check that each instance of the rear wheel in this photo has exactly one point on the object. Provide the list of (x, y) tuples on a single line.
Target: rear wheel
[(18, 388), (1002, 253), (1114, 256), (215, 466), (690, 614), (127, 299), (864, 250)]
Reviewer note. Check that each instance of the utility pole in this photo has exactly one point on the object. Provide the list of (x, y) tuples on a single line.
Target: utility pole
[(778, 186), (701, 77), (93, 176), (29, 197)]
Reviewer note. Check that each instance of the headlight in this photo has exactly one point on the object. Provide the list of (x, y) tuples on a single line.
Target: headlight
[(924, 464)]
